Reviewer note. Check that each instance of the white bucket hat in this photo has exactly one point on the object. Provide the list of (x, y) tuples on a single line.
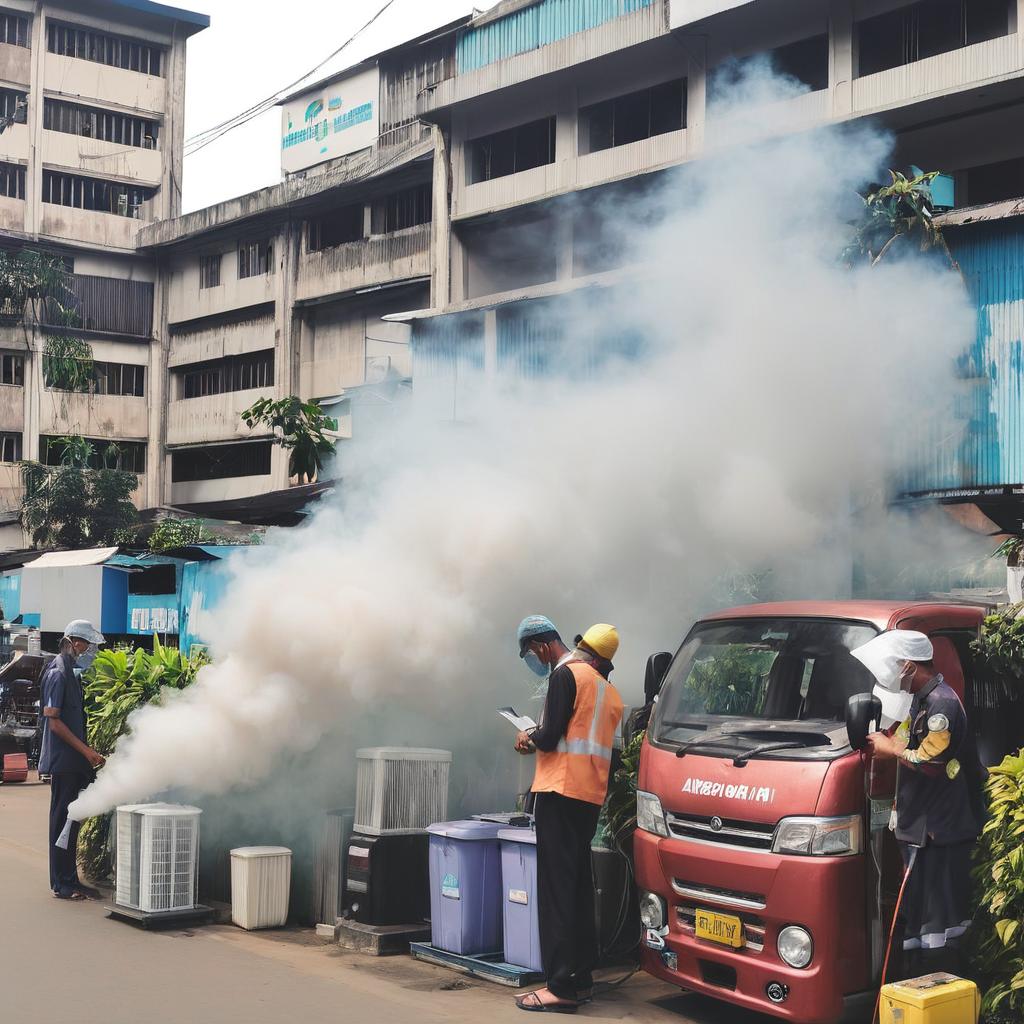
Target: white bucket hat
[(84, 630), (884, 656)]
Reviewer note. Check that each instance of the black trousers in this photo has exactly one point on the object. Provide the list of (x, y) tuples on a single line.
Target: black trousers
[(64, 789), (565, 892)]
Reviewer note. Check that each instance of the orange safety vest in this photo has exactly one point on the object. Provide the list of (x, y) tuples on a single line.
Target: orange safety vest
[(579, 767)]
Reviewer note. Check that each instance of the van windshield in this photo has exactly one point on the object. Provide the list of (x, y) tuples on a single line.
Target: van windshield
[(762, 669)]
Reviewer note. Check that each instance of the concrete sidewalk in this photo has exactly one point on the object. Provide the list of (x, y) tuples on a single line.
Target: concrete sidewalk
[(67, 961)]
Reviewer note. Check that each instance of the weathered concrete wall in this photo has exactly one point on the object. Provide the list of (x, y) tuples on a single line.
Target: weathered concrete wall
[(221, 340), (97, 158), (12, 214), (218, 490), (14, 143), (214, 418), (15, 64), (113, 416), (187, 301), (369, 261), (105, 84), (103, 229), (12, 407)]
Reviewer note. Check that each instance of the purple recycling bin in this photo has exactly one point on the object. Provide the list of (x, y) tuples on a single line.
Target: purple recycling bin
[(465, 887), (519, 897)]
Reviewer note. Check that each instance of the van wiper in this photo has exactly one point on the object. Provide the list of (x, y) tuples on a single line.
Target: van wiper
[(741, 759), (711, 741)]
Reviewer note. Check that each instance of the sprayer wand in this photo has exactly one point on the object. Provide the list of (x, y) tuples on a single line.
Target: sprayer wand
[(892, 930)]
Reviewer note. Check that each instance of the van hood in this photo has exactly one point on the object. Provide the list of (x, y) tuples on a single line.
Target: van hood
[(762, 791)]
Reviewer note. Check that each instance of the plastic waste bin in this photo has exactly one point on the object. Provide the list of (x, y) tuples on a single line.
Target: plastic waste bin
[(465, 886), (519, 897), (260, 883)]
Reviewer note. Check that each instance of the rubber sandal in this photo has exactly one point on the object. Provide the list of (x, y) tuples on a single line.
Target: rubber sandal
[(532, 1002), (70, 896)]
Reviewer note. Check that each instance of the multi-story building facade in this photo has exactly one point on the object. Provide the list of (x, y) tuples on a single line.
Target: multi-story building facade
[(93, 94), (450, 191)]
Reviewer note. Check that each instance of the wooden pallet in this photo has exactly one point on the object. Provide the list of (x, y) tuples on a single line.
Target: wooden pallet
[(488, 966), (199, 914)]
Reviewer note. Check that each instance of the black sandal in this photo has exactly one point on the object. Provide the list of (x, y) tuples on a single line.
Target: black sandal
[(539, 1006)]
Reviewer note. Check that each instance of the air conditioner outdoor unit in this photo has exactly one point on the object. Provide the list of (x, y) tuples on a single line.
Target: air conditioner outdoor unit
[(400, 790), (157, 857)]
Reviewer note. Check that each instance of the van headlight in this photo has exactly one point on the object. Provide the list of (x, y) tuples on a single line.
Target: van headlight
[(819, 837), (652, 910), (649, 815), (795, 946)]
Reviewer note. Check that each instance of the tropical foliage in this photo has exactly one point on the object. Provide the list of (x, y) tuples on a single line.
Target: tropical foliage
[(999, 875), (119, 682), (71, 505), (179, 533), (299, 427), (729, 682), (901, 210), (619, 811), (999, 657)]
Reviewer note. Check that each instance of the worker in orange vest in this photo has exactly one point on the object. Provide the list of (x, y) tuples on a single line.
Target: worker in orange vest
[(573, 743)]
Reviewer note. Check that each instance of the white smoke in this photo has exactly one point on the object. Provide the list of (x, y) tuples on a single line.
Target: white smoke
[(772, 392)]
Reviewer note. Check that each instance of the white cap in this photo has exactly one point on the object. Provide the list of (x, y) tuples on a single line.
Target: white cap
[(84, 630), (884, 656)]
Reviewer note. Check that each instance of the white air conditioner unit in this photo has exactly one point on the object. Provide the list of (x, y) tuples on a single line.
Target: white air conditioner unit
[(400, 790), (157, 857)]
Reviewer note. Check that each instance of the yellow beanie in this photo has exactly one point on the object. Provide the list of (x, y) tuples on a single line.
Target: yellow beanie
[(602, 639)]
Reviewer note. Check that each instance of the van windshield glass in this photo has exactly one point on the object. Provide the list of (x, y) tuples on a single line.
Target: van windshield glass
[(763, 669)]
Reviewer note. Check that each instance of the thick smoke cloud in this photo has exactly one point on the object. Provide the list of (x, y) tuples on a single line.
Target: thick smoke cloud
[(761, 392)]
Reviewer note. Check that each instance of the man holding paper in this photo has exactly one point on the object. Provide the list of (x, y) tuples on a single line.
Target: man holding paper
[(574, 747)]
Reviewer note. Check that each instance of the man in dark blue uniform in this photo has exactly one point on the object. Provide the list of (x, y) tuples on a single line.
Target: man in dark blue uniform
[(66, 757), (939, 805)]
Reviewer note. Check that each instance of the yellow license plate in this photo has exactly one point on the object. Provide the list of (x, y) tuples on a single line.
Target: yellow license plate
[(724, 928)]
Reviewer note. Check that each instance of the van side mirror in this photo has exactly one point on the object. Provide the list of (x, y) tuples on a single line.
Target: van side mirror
[(654, 676), (863, 716)]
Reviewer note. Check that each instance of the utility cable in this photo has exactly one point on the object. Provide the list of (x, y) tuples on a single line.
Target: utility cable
[(204, 138), (892, 930)]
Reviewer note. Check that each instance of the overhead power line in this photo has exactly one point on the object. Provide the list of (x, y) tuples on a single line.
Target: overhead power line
[(203, 139)]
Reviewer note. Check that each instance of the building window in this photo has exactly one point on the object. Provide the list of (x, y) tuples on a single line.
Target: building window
[(209, 270), (806, 61), (255, 258), (925, 29), (10, 446), (94, 194), (59, 116), (123, 379), (515, 149), (12, 369), (12, 181), (219, 462), (342, 225), (403, 209), (991, 183), (103, 48), (107, 453), (13, 29), (232, 373), (638, 115), (14, 105)]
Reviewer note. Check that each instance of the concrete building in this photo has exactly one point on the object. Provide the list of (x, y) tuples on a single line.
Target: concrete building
[(94, 93)]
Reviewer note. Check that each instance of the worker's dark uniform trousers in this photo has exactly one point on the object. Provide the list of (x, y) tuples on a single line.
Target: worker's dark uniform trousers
[(938, 820), (68, 770)]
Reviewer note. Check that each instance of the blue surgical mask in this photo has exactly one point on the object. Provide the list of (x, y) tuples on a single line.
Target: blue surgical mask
[(86, 658), (534, 664)]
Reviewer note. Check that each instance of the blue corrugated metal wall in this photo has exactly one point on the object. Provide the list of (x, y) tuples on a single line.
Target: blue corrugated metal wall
[(534, 26), (990, 452)]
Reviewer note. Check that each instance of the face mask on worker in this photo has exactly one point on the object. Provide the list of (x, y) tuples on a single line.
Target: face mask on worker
[(534, 663), (87, 657)]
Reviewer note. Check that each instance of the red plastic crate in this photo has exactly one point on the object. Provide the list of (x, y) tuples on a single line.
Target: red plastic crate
[(15, 767)]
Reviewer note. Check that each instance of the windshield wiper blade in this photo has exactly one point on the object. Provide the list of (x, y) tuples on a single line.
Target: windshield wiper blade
[(710, 741), (741, 759)]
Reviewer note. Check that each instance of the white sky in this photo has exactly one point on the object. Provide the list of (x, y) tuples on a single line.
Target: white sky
[(251, 50)]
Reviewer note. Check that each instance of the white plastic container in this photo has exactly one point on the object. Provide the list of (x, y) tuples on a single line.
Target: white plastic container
[(400, 790), (261, 877)]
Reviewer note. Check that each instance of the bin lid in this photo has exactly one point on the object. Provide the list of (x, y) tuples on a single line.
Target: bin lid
[(261, 851), (518, 835), (466, 829)]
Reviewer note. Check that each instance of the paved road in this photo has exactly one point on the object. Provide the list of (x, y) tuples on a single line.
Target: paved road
[(68, 961)]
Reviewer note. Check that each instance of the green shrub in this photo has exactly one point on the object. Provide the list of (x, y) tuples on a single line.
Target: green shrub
[(118, 682), (999, 874)]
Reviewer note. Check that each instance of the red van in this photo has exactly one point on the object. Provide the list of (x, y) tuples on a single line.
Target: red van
[(766, 869)]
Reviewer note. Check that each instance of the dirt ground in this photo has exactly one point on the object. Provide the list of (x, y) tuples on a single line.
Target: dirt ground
[(68, 961)]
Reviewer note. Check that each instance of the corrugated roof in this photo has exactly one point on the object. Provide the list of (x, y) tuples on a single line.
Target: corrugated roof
[(65, 559), (164, 11)]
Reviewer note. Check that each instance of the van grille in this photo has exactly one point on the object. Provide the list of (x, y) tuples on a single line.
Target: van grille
[(753, 926), (747, 834)]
